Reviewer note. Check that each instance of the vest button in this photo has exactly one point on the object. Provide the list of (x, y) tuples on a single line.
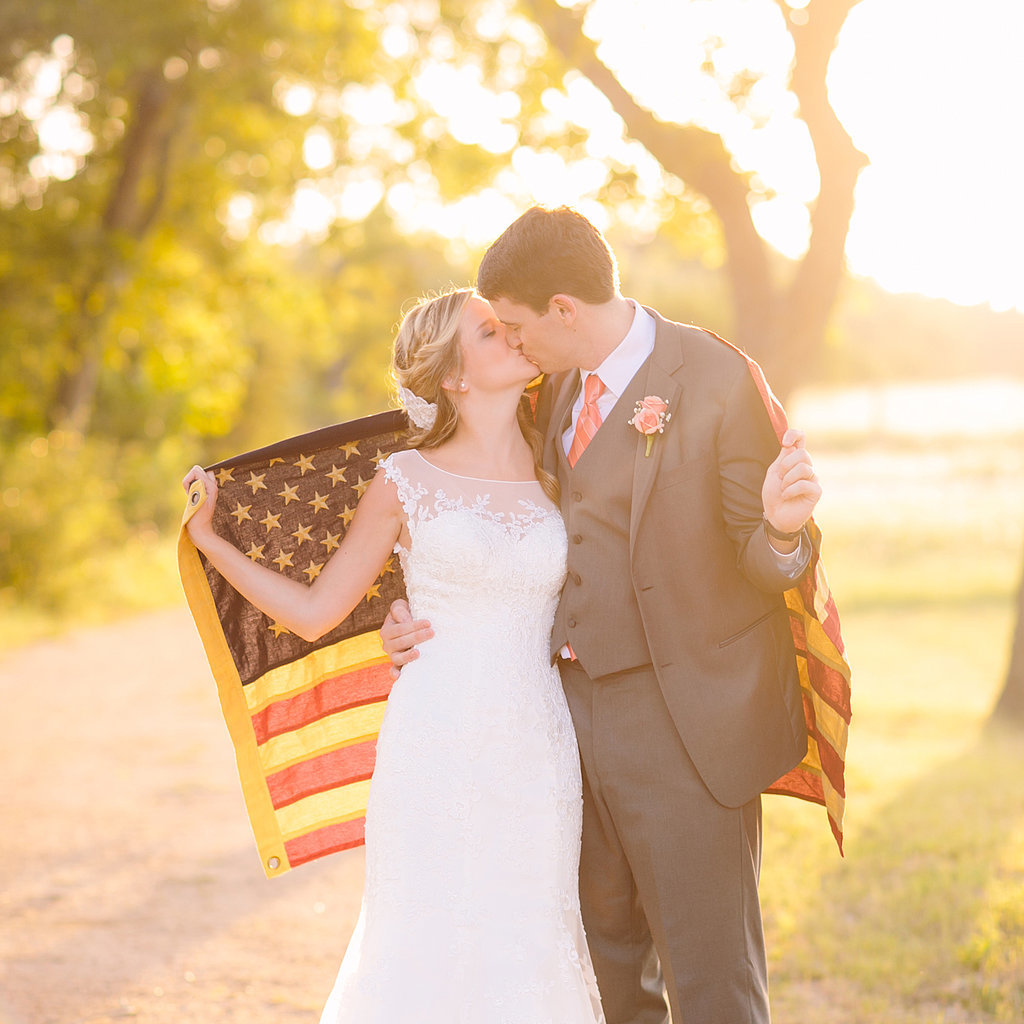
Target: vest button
[(576, 578), (577, 539), (572, 623), (576, 496)]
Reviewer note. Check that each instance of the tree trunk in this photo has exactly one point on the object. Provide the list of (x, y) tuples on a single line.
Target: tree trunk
[(133, 205), (1010, 706)]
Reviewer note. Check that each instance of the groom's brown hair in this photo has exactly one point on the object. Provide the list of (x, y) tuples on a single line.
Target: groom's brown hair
[(548, 252)]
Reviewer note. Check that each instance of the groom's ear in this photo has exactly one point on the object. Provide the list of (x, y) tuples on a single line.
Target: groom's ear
[(564, 309)]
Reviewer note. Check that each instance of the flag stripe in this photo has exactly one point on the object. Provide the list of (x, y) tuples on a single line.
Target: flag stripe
[(319, 774), (312, 812), (355, 652), (337, 693), (330, 733), (332, 839)]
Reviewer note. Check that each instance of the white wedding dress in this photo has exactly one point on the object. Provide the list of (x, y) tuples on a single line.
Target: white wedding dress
[(470, 910)]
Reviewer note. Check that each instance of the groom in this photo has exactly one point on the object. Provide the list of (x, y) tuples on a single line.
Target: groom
[(672, 634)]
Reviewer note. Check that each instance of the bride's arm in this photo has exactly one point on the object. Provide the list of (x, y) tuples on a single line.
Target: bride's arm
[(308, 611)]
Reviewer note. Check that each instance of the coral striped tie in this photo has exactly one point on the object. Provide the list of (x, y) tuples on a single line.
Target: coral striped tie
[(589, 418)]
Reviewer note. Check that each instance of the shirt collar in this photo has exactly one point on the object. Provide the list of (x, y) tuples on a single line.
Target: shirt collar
[(622, 363)]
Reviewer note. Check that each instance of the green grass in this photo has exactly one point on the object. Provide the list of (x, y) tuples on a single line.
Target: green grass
[(923, 921)]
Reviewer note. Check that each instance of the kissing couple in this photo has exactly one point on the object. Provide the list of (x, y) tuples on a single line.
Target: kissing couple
[(598, 677)]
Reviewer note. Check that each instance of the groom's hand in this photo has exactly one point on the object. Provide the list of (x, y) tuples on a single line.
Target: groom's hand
[(400, 634), (791, 489)]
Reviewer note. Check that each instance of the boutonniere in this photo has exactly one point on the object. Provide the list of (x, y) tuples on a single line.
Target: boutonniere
[(650, 417)]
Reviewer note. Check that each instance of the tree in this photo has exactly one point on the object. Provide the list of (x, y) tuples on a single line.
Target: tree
[(782, 324), (1010, 705), (182, 108)]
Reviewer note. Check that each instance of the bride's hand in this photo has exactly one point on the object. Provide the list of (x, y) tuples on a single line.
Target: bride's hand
[(400, 634), (201, 522)]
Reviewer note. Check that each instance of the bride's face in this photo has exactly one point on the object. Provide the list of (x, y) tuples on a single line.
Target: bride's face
[(488, 361)]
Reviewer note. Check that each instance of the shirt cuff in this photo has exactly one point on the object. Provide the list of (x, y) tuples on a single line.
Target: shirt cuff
[(791, 563)]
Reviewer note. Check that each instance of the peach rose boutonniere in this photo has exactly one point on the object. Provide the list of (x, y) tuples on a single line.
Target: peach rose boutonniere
[(650, 417)]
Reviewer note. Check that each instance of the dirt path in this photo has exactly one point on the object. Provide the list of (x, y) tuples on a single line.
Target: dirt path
[(129, 882)]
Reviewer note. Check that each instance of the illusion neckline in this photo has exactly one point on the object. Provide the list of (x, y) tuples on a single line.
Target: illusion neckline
[(475, 479)]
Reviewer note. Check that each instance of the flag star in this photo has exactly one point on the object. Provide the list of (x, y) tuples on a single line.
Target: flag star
[(303, 464), (319, 502), (302, 534), (272, 521), (223, 476), (360, 485), (350, 449), (347, 515), (274, 462), (283, 559), (256, 482), (241, 512), (278, 629), (336, 475), (389, 565), (380, 455), (313, 570), (332, 542), (374, 591), (289, 494), (255, 552)]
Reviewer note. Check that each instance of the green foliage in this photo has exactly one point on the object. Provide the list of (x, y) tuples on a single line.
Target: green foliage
[(69, 507)]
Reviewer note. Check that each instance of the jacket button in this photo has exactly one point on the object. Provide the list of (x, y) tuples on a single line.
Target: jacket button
[(576, 578), (572, 623), (577, 539), (576, 496)]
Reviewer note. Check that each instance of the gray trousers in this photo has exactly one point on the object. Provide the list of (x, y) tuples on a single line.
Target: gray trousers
[(668, 876)]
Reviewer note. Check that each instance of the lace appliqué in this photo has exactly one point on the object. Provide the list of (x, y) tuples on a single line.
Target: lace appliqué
[(515, 523)]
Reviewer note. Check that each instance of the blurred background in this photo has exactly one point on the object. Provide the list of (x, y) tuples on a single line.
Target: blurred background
[(212, 213)]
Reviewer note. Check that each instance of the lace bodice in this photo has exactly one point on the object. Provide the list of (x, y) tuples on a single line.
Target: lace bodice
[(484, 555)]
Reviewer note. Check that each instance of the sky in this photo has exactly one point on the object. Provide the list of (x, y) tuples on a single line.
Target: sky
[(932, 92)]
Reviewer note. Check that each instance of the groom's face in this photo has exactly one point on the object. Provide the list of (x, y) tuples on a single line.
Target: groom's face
[(544, 338)]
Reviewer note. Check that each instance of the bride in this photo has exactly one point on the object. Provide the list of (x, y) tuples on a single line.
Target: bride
[(470, 910)]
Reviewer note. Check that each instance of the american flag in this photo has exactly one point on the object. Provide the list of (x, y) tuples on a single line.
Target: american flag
[(303, 717)]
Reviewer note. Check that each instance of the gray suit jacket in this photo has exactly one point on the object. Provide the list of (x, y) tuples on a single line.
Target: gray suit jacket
[(706, 581)]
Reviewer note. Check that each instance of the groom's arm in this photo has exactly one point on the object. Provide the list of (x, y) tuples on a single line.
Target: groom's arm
[(748, 453)]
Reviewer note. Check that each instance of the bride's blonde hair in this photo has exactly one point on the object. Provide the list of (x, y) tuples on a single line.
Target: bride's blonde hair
[(427, 353)]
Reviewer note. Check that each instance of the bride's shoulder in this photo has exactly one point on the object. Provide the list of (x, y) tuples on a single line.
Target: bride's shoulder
[(403, 468), (399, 461)]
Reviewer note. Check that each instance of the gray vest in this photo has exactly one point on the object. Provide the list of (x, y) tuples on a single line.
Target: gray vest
[(598, 612)]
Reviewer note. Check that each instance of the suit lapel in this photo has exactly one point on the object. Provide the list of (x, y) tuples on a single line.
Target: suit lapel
[(665, 360)]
